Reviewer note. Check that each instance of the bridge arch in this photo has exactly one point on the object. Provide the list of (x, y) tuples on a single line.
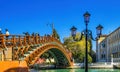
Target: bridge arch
[(61, 56)]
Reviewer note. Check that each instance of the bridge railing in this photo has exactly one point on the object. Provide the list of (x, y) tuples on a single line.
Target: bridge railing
[(23, 40)]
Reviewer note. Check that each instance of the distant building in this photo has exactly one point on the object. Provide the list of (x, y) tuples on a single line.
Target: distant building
[(109, 47), (99, 49), (114, 45)]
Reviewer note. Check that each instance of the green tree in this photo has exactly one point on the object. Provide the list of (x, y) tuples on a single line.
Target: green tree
[(77, 47), (89, 59), (55, 34), (91, 52), (93, 55)]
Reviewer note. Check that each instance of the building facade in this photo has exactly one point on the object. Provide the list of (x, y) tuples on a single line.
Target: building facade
[(99, 49), (109, 47), (114, 45)]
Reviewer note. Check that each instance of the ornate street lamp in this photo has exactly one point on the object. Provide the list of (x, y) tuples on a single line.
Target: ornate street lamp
[(86, 18), (73, 31), (99, 30), (88, 35)]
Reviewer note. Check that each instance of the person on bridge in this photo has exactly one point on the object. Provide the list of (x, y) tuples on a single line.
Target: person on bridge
[(7, 34), (0, 31)]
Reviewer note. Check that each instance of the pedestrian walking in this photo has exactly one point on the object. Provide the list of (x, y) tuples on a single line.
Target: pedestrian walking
[(7, 34)]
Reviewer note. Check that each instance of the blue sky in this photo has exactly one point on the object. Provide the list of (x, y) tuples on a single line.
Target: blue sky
[(20, 16)]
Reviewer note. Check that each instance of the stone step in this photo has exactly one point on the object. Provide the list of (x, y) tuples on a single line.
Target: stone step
[(30, 52), (22, 58), (33, 49), (27, 52), (26, 55)]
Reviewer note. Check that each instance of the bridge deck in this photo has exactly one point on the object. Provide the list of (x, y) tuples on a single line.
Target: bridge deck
[(29, 48)]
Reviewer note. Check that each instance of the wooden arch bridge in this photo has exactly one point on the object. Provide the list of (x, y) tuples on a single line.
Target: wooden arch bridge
[(25, 50)]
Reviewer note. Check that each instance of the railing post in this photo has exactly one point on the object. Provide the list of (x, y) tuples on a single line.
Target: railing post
[(3, 46), (29, 40), (33, 39), (42, 39), (2, 41), (20, 42), (45, 39), (39, 39), (36, 39), (14, 40), (25, 40)]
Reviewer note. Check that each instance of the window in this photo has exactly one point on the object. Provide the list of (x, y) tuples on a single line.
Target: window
[(103, 45)]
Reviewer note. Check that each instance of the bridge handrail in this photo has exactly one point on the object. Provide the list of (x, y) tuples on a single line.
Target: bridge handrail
[(22, 44), (20, 40)]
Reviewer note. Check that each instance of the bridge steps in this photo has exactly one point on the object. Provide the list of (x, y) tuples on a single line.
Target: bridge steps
[(30, 51), (25, 55)]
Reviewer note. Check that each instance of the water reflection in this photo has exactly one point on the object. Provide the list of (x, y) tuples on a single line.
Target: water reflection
[(77, 70)]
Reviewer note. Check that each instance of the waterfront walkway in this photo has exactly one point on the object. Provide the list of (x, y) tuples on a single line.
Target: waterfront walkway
[(100, 65)]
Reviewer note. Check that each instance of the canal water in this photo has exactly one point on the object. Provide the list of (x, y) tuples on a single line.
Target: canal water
[(77, 70)]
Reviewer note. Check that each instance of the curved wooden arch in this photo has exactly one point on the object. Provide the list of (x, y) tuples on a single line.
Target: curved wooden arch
[(39, 51)]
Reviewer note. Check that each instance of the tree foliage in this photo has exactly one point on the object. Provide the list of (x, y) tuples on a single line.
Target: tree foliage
[(78, 48), (55, 34)]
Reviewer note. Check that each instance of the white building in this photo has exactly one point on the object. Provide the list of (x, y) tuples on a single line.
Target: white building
[(100, 50), (114, 45), (109, 47)]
